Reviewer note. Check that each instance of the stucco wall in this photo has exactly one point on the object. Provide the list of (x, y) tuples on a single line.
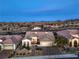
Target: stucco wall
[(25, 42), (9, 46), (74, 39), (46, 43), (1, 46)]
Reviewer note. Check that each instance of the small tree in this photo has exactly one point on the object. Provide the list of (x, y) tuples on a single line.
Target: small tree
[(61, 41)]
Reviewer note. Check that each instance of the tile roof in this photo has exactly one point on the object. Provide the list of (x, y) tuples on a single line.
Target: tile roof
[(74, 31), (64, 33), (10, 39), (40, 35), (67, 33)]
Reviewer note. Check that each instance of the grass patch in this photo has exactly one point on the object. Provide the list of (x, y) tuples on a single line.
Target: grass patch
[(71, 51)]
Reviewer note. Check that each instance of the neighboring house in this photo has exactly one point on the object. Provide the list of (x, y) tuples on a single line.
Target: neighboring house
[(39, 38), (74, 40), (57, 25), (1, 46), (36, 28), (54, 25), (9, 42), (71, 22), (71, 35)]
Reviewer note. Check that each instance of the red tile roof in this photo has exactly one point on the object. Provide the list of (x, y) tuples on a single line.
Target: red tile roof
[(8, 41)]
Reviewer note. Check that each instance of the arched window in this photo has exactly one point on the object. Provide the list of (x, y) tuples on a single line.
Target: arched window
[(75, 43), (70, 44)]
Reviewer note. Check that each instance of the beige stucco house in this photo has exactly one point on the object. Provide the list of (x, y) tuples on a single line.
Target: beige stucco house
[(72, 36), (39, 38), (9, 42), (74, 40)]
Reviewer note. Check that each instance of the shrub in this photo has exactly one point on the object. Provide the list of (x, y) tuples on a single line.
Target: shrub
[(38, 48)]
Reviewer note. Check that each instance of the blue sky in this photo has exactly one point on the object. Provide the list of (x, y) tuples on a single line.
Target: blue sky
[(38, 10)]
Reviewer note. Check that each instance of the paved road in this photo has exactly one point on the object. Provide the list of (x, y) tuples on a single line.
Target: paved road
[(4, 54), (62, 56)]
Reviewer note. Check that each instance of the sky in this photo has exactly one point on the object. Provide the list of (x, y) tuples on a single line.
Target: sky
[(38, 10)]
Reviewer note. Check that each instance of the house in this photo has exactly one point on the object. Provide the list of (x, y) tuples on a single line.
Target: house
[(39, 38), (71, 22), (1, 46), (54, 24), (36, 28), (9, 42), (74, 40), (72, 36)]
